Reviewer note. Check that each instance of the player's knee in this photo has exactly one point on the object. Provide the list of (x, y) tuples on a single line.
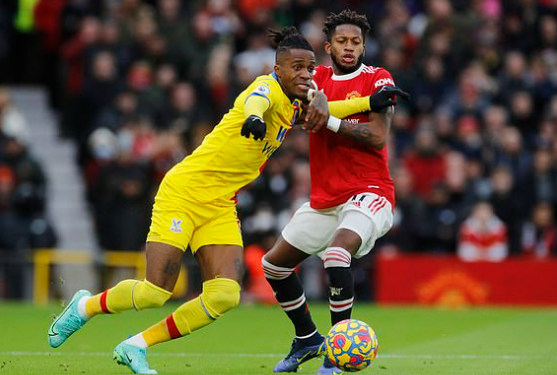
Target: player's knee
[(220, 295), (336, 257), (147, 295), (273, 272)]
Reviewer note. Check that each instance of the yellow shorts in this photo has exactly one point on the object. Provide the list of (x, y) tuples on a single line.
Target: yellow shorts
[(179, 221)]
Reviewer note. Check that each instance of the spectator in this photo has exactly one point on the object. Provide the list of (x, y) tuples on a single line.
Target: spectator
[(468, 138), (539, 235), (507, 204), (438, 221), (425, 162), (12, 121), (123, 110), (430, 86), (482, 236), (513, 154), (99, 92), (523, 116), (174, 30), (181, 112), (408, 209), (122, 202), (540, 183), (495, 120), (257, 60), (153, 99), (513, 78)]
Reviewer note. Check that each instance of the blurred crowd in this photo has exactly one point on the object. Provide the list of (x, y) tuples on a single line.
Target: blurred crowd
[(138, 84), (23, 224), (23, 221)]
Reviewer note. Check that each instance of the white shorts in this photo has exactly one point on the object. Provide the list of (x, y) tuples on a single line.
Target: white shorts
[(367, 214)]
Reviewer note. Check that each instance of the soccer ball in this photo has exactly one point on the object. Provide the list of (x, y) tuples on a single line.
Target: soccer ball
[(351, 345)]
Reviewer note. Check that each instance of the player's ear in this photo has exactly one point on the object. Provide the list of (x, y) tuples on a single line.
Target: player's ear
[(328, 48), (276, 69)]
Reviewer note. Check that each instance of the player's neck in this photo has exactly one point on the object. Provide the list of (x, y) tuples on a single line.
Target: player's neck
[(291, 98), (339, 72)]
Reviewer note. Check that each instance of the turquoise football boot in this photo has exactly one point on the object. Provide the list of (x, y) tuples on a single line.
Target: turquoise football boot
[(67, 322), (133, 357)]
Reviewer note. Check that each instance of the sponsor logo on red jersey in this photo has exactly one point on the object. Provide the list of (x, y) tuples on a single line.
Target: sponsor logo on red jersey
[(384, 82)]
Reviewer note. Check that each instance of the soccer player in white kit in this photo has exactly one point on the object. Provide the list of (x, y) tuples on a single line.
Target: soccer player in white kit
[(352, 194)]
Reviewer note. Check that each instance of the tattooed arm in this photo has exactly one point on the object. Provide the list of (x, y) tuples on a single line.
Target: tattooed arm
[(373, 133)]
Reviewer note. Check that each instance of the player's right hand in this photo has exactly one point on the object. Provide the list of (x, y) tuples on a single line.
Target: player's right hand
[(317, 112), (385, 97), (256, 126)]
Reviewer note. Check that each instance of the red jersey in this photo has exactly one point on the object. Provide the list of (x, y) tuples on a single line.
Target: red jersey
[(341, 167)]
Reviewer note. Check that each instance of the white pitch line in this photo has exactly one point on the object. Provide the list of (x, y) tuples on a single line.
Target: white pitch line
[(276, 355)]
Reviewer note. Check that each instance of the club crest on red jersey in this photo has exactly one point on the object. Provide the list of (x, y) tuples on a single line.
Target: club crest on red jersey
[(353, 94)]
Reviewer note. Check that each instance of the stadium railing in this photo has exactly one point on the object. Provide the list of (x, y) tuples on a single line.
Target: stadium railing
[(43, 259)]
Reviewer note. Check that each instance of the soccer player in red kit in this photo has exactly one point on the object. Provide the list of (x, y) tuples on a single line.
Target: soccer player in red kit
[(352, 194)]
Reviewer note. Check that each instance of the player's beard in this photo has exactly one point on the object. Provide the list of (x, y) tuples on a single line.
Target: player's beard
[(347, 69)]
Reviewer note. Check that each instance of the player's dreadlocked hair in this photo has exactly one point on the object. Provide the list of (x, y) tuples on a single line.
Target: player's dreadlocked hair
[(287, 38), (347, 16)]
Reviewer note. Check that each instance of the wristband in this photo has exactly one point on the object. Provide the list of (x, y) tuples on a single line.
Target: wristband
[(333, 124)]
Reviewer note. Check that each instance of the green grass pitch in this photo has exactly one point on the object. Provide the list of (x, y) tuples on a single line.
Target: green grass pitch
[(251, 339)]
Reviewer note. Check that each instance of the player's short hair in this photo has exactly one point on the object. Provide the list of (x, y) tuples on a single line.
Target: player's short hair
[(349, 17), (287, 38)]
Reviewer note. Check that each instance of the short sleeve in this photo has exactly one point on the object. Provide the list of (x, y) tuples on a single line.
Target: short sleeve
[(261, 88), (382, 78)]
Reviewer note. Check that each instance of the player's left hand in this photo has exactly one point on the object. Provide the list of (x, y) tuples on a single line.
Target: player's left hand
[(317, 113), (256, 126), (385, 97)]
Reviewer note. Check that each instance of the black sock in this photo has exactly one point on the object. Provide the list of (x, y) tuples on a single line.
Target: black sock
[(290, 294), (341, 293)]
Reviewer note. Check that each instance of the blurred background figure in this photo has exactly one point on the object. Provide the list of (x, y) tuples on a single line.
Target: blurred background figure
[(539, 234), (482, 236)]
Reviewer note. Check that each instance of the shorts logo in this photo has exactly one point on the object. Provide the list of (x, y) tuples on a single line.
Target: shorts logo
[(176, 226)]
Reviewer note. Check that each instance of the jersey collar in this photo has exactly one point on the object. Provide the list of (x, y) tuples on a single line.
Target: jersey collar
[(346, 77)]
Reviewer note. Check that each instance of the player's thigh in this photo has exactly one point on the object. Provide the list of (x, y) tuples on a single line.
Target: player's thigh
[(368, 215), (223, 261), (311, 230), (171, 227), (163, 264), (168, 238), (174, 218), (223, 228), (283, 254), (218, 245)]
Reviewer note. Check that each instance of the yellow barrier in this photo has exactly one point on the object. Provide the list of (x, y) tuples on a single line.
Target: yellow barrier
[(44, 258)]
